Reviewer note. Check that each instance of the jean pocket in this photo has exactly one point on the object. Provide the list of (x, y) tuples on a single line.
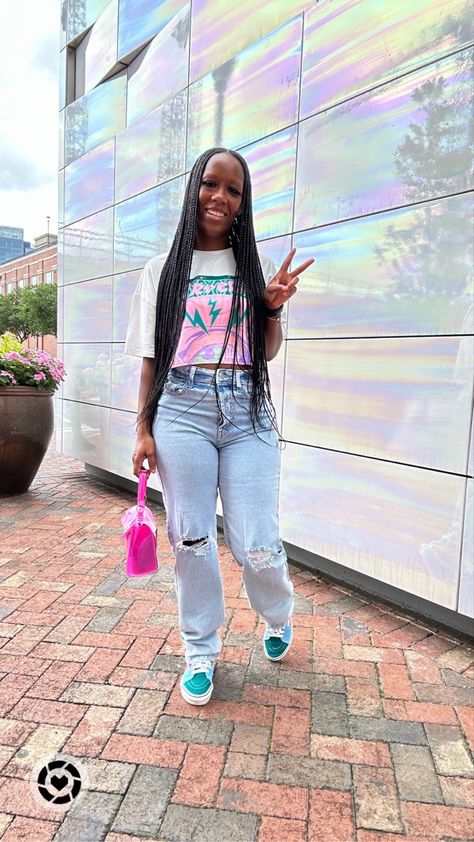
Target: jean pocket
[(175, 385)]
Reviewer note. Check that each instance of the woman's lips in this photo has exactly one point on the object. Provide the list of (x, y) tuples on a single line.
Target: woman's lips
[(215, 213)]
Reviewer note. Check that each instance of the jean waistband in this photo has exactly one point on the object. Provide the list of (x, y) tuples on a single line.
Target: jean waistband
[(195, 374)]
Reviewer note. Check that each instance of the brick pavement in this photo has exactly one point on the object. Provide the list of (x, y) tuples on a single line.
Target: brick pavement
[(363, 733)]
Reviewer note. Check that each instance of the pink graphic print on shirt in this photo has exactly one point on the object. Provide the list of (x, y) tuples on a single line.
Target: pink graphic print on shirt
[(208, 307)]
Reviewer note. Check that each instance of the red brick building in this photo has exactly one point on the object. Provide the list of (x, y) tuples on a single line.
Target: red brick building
[(37, 267)]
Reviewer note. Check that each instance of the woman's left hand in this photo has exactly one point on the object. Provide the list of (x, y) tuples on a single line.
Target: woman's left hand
[(283, 285)]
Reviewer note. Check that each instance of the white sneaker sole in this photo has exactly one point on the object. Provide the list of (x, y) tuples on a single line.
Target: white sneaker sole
[(283, 654), (191, 699)]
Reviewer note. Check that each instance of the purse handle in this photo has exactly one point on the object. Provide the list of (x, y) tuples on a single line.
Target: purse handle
[(141, 494)]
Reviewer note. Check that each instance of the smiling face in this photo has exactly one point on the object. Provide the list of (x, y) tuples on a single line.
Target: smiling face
[(220, 198)]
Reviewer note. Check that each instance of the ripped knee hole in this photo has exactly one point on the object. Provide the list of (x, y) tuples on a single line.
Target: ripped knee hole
[(259, 559), (199, 546)]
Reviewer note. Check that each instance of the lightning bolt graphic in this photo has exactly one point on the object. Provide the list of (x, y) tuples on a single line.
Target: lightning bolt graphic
[(196, 320), (213, 313)]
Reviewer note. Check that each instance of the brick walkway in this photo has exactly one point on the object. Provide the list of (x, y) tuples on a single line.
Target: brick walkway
[(362, 733)]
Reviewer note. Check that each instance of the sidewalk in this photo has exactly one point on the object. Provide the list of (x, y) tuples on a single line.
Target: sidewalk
[(362, 733)]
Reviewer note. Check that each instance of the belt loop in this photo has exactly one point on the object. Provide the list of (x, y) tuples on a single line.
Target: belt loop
[(191, 373), (239, 379)]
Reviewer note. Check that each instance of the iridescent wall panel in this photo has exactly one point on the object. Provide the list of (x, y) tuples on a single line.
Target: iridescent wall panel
[(252, 95), (86, 433), (62, 78), (60, 269), (88, 248), (466, 586), (122, 440), (352, 45), (61, 133), (276, 249), (373, 517), (89, 183), (470, 463), (221, 29), (98, 50), (89, 309), (60, 198), (408, 271), (166, 60), (272, 164), (121, 444), (81, 14), (58, 424), (395, 399), (88, 373), (123, 288), (60, 316), (145, 225), (95, 117), (60, 355), (410, 139), (140, 20), (125, 379), (152, 150)]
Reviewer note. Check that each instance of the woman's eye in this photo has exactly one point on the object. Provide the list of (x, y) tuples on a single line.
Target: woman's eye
[(234, 191), (208, 183)]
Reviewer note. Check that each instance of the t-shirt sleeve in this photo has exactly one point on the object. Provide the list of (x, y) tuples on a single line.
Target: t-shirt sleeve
[(140, 341)]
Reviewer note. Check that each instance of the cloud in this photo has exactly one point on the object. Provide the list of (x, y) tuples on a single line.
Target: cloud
[(29, 48), (18, 172), (45, 55)]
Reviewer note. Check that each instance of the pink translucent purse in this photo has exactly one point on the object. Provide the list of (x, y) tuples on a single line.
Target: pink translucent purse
[(139, 530)]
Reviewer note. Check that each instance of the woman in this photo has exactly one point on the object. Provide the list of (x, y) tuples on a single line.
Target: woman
[(205, 319)]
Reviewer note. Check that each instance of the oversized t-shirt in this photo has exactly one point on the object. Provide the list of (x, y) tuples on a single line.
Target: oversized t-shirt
[(208, 306)]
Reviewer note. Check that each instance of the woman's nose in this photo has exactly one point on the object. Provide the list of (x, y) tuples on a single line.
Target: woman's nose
[(219, 194)]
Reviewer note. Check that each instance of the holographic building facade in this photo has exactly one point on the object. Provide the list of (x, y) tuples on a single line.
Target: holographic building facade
[(356, 121)]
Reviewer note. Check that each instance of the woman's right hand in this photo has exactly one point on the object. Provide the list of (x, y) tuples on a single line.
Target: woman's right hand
[(144, 449)]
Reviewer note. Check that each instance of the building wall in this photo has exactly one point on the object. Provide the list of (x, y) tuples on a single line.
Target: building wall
[(354, 117), (36, 267)]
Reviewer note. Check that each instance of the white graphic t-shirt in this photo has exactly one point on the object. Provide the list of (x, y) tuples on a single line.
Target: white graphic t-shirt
[(208, 307)]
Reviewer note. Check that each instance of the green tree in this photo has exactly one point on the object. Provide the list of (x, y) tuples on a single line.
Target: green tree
[(12, 316), (39, 309)]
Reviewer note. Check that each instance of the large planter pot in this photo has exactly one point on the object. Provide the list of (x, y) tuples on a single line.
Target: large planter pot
[(26, 427)]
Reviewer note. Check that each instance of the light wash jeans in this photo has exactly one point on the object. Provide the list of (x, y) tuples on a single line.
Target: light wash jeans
[(201, 448)]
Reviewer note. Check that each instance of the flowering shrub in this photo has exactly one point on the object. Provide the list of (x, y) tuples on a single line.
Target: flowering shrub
[(28, 367)]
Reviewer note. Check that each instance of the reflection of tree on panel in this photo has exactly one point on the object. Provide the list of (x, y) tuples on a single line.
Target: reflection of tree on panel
[(432, 257), (76, 18), (171, 137), (75, 131), (221, 76)]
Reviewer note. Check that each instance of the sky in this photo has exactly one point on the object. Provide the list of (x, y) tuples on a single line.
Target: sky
[(29, 102)]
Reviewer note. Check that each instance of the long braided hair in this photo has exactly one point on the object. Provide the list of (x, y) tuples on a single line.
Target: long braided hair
[(248, 290)]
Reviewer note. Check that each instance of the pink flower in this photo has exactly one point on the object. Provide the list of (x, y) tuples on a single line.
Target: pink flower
[(39, 376)]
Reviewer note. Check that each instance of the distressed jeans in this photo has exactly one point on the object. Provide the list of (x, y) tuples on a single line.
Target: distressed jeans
[(203, 445)]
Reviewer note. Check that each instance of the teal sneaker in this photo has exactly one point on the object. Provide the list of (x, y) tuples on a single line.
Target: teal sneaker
[(277, 641), (196, 683)]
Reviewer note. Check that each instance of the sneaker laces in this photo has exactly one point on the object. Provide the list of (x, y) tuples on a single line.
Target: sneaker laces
[(201, 665), (276, 632)]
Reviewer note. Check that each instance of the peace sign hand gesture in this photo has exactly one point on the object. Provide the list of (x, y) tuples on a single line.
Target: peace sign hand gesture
[(283, 285)]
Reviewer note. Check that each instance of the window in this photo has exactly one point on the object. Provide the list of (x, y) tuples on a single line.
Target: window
[(9, 288), (33, 280), (21, 284), (48, 277)]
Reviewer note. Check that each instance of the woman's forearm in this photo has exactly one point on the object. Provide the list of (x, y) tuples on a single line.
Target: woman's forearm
[(273, 338), (146, 382)]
